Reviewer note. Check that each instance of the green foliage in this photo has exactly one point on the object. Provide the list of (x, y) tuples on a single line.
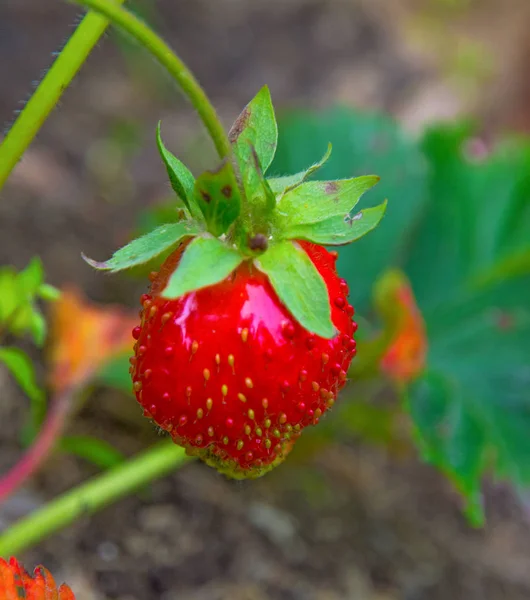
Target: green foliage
[(206, 261), (362, 143), (218, 197), (471, 408), (338, 230), (314, 201), (19, 313), (147, 247), (255, 128), (21, 367), (282, 185), (459, 225), (299, 286), (180, 177), (98, 452)]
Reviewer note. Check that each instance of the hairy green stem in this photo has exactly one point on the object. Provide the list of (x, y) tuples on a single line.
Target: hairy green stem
[(90, 497), (145, 36), (47, 95)]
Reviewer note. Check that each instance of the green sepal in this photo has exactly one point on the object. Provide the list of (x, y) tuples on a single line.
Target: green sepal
[(257, 188), (206, 261), (143, 249), (181, 179), (256, 127), (282, 185), (316, 201), (338, 230), (217, 195), (299, 286)]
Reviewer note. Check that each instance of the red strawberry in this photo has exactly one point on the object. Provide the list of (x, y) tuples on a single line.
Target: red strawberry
[(230, 374)]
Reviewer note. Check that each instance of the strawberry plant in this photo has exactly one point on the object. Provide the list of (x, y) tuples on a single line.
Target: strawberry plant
[(247, 335)]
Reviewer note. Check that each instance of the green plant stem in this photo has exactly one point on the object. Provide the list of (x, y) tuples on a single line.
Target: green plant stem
[(47, 95), (145, 36), (90, 497)]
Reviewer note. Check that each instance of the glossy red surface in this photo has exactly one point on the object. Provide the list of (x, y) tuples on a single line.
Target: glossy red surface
[(228, 371)]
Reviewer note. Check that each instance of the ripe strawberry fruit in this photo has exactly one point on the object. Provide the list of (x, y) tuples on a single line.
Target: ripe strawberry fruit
[(228, 371), (246, 335)]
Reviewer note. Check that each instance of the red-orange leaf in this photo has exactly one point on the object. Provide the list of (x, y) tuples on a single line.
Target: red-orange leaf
[(17, 584), (405, 357), (84, 337)]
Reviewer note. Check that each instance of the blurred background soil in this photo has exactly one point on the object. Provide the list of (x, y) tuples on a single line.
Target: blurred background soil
[(356, 522)]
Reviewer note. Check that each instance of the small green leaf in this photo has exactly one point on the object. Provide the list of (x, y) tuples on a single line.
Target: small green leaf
[(48, 292), (281, 185), (145, 248), (256, 126), (98, 452), (299, 286), (338, 230), (205, 262), (38, 327), (180, 177), (315, 201), (218, 197), (22, 370), (31, 277)]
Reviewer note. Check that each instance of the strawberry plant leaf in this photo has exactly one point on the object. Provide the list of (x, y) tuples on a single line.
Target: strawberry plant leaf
[(281, 185), (181, 179), (206, 261), (316, 201), (144, 248), (21, 367), (471, 408), (48, 292), (362, 143), (219, 198), (299, 286), (97, 452), (256, 127), (338, 230), (478, 216)]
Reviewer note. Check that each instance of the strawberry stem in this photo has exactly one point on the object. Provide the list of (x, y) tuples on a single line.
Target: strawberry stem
[(49, 91), (147, 38), (89, 497)]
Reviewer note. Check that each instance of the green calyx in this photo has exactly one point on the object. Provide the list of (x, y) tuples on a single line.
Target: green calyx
[(235, 214)]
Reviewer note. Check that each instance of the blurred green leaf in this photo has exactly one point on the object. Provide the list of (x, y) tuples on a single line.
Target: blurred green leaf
[(362, 143), (97, 452), (21, 367), (18, 311), (471, 409), (478, 214)]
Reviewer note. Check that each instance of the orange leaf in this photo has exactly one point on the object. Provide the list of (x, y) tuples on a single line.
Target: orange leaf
[(84, 337), (17, 584), (405, 357)]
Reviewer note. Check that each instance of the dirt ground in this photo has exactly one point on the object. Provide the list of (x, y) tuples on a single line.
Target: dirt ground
[(356, 523)]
